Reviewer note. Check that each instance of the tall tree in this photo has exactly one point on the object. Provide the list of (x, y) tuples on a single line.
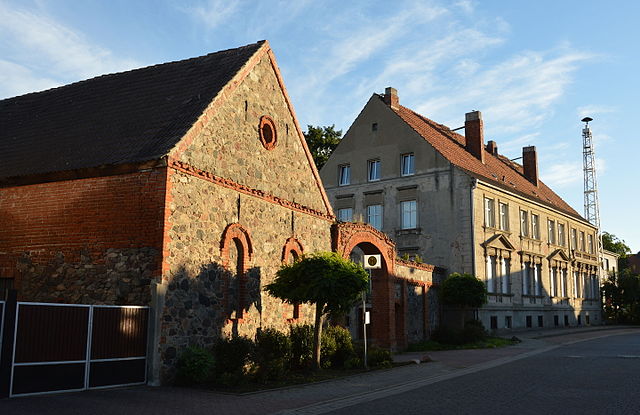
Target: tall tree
[(325, 279), (612, 243), (322, 141)]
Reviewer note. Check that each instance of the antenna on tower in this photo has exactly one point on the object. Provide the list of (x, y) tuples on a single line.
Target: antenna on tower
[(591, 205)]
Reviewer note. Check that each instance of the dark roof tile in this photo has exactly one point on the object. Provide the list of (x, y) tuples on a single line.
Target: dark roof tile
[(125, 117)]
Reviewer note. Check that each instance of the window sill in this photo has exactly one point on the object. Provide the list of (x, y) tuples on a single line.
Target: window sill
[(412, 231)]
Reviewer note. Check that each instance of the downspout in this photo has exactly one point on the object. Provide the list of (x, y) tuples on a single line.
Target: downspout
[(474, 184)]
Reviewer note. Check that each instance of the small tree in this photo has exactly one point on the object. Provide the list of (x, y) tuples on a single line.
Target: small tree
[(322, 141), (464, 291), (325, 279)]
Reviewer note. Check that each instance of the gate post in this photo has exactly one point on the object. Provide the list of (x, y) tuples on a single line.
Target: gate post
[(158, 292), (8, 335)]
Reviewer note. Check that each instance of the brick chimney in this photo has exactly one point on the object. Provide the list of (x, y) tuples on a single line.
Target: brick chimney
[(391, 97), (530, 164), (474, 134), (492, 147)]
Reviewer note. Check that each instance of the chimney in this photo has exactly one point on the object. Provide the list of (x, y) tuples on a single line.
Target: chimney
[(492, 147), (530, 164), (391, 97), (474, 134)]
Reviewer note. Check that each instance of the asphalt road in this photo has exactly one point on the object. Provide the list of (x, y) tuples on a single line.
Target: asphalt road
[(600, 376)]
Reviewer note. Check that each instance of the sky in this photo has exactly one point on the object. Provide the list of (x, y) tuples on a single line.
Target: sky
[(533, 68)]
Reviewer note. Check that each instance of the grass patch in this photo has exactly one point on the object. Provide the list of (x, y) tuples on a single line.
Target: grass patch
[(488, 343)]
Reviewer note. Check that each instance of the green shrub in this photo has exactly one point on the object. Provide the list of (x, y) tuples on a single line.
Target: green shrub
[(301, 336), (353, 363), (195, 365), (379, 357), (272, 354), (473, 331), (232, 355), (339, 347)]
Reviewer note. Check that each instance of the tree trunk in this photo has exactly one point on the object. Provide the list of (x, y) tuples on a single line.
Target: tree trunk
[(317, 336)]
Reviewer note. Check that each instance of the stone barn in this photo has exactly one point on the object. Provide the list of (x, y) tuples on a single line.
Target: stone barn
[(184, 186)]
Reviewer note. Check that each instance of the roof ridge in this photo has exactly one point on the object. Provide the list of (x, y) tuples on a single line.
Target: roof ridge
[(111, 74)]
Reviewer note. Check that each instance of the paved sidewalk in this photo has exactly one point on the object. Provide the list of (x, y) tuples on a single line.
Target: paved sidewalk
[(309, 399)]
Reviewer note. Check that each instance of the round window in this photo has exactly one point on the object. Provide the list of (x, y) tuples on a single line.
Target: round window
[(268, 135)]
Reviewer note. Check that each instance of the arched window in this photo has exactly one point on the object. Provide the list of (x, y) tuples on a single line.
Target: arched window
[(235, 251), (291, 252)]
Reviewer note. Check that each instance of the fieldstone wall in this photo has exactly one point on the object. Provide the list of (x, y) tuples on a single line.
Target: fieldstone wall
[(229, 145), (415, 323), (197, 309), (118, 276)]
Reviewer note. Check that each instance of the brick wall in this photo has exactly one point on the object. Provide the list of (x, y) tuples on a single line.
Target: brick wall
[(93, 240)]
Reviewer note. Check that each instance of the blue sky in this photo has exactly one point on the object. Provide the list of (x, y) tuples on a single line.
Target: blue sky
[(533, 68)]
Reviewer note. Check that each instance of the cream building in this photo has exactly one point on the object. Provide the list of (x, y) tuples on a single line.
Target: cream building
[(455, 202)]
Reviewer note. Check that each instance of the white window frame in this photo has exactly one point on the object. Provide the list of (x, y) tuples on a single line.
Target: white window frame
[(489, 212), (345, 215), (524, 223), (373, 170), (535, 226), (562, 235), (344, 174), (574, 239), (551, 228), (581, 241), (590, 244), (503, 212), (374, 216), (409, 214), (407, 164)]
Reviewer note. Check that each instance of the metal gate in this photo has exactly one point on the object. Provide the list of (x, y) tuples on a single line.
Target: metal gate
[(73, 347)]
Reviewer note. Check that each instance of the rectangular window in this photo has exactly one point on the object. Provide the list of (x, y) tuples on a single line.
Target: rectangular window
[(551, 225), (574, 239), (556, 321), (491, 274), (529, 322), (535, 226), (344, 175), (590, 238), (408, 213), (504, 216), (505, 275), (345, 215), (494, 322), (374, 170), (489, 213), (576, 282), (374, 216), (507, 322), (524, 223), (540, 321), (537, 272), (582, 241), (526, 278), (561, 234), (553, 274), (407, 164), (563, 283)]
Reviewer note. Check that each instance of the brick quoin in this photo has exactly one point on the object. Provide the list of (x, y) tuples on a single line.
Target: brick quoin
[(89, 215)]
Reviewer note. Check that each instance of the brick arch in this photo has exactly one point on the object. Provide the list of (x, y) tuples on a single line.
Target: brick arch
[(346, 236), (239, 233), (291, 245)]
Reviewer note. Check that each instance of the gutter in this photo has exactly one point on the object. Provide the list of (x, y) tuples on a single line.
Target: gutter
[(474, 185)]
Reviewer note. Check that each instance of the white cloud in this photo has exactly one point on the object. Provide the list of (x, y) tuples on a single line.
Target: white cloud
[(17, 80), (466, 6), (593, 110), (562, 174), (43, 46), (214, 12)]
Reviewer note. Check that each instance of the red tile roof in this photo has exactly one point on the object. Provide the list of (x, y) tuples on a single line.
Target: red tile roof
[(497, 169)]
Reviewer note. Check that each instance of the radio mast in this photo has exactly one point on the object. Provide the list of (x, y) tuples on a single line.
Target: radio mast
[(591, 205)]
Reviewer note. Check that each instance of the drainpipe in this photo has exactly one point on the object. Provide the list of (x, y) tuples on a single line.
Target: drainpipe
[(474, 184)]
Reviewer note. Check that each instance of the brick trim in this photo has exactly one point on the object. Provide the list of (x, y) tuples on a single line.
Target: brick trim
[(230, 184), (239, 233), (292, 244), (425, 267), (348, 235), (268, 142), (417, 283)]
